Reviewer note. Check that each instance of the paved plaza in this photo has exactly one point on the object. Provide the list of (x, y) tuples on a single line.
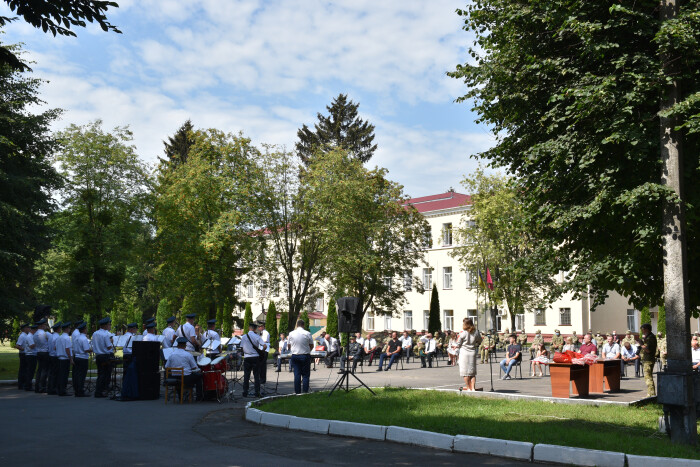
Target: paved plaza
[(90, 431)]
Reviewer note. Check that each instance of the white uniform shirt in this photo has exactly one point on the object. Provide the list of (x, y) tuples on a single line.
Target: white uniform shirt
[(369, 344), (265, 337), (145, 331), (300, 341), (406, 341), (101, 342), (74, 334), (126, 350), (189, 332), (81, 347), (695, 355), (610, 351), (41, 341), (53, 337), (182, 359), (249, 342), (150, 337), (63, 343), (361, 341), (429, 344), (29, 347), (168, 334), (211, 335), (21, 341)]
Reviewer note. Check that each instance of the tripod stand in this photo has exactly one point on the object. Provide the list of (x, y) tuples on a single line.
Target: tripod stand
[(346, 376)]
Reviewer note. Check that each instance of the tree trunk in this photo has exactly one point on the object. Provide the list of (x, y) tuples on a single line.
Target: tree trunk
[(681, 419)]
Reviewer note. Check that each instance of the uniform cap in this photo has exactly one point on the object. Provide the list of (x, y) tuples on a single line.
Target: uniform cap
[(131, 325), (67, 324), (78, 323), (26, 325), (181, 340), (150, 325), (82, 326), (104, 321), (191, 315), (56, 326), (629, 331), (41, 321), (170, 320), (539, 331), (149, 320), (556, 330), (253, 324), (34, 326), (211, 321), (608, 335)]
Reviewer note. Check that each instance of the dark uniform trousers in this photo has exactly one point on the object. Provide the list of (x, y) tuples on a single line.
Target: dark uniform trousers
[(262, 370), (62, 377), (251, 364), (21, 373), (104, 371), (53, 376), (29, 372), (195, 379), (128, 358), (42, 371), (79, 373)]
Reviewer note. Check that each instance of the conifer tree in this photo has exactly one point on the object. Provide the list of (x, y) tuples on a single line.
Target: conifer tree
[(434, 324)]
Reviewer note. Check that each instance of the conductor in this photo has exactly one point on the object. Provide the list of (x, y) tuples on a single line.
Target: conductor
[(301, 343)]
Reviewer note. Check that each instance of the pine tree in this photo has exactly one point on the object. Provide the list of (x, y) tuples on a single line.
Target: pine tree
[(271, 325), (434, 324), (661, 324), (178, 146), (332, 319), (284, 322), (248, 317), (227, 320), (305, 316), (162, 314), (645, 316), (341, 128)]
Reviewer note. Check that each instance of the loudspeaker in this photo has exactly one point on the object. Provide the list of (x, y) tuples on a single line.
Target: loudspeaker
[(349, 315), (149, 385), (147, 356)]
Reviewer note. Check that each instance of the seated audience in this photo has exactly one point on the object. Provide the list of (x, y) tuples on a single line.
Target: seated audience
[(588, 347), (514, 356), (541, 359), (569, 344), (429, 350), (611, 349), (406, 344), (393, 350), (629, 355), (354, 355)]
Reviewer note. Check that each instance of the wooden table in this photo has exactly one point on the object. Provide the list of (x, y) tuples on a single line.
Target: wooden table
[(605, 371), (561, 374)]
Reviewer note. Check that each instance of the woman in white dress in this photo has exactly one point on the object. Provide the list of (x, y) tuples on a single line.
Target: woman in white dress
[(467, 345), (541, 359), (453, 349)]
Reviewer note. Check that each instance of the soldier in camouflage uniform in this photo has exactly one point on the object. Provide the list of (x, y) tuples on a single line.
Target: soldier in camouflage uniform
[(486, 342), (599, 341), (648, 354), (522, 340), (661, 351), (575, 340), (629, 337), (536, 341), (557, 342)]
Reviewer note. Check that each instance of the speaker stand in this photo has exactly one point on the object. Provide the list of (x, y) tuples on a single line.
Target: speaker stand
[(346, 376)]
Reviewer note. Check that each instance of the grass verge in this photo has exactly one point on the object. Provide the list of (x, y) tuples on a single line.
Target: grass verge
[(632, 430)]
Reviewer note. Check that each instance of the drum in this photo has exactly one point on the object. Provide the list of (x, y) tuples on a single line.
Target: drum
[(219, 363), (204, 363), (213, 381)]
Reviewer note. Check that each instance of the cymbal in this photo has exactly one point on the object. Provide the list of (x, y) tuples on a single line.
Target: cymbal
[(195, 354)]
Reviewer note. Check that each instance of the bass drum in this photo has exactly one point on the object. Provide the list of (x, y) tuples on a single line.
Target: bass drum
[(213, 382), (219, 363)]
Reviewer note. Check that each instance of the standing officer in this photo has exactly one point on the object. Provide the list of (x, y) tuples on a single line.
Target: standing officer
[(145, 325), (150, 335), (65, 359), (53, 359), (557, 342), (522, 340), (486, 344), (662, 351), (76, 332), (301, 343), (131, 329), (252, 345), (211, 335), (102, 346), (19, 345), (41, 341), (81, 350), (648, 353), (169, 333), (30, 356), (188, 331)]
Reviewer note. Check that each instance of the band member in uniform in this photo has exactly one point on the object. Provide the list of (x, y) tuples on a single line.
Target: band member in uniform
[(53, 359), (19, 345), (65, 359), (102, 346), (252, 345), (41, 341), (169, 333), (30, 356), (211, 335), (127, 349), (81, 351), (145, 325), (265, 338), (180, 358), (301, 343), (188, 332), (150, 335), (76, 332)]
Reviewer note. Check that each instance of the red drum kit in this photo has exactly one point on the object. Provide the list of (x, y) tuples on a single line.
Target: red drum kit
[(213, 375)]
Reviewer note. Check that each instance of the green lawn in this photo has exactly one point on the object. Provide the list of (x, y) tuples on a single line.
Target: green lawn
[(611, 428), (9, 362)]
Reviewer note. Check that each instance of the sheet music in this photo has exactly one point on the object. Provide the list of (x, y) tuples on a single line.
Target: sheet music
[(224, 340)]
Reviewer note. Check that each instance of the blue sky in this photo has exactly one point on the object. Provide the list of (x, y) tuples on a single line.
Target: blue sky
[(264, 68)]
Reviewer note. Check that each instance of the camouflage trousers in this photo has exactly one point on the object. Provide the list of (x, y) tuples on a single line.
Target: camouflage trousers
[(648, 366), (483, 353)]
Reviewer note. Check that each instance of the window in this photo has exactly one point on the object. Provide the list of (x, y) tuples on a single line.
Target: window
[(263, 288), (251, 289), (427, 278), (472, 278), (540, 317), (426, 319), (447, 234), (370, 321), (407, 280), (520, 321), (498, 323), (428, 240), (472, 314), (564, 316), (275, 288), (449, 320), (239, 290), (387, 283), (447, 278), (387, 323), (319, 304), (408, 320), (632, 320)]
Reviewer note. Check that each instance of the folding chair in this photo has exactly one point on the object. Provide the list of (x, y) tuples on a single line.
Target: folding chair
[(175, 378), (516, 367)]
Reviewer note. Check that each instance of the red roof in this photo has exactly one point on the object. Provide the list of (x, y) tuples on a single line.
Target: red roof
[(447, 200)]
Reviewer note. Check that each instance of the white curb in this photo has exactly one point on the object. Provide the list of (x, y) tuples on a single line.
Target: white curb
[(357, 430), (494, 447), (577, 456), (419, 437), (646, 461), (275, 419), (314, 425), (253, 415)]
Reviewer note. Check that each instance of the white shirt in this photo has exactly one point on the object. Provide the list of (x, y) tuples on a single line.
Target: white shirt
[(214, 336), (249, 343), (695, 355), (29, 347), (145, 331), (169, 334), (150, 337), (429, 344), (361, 341), (406, 341), (369, 344), (126, 350), (629, 353), (21, 341), (182, 359), (101, 343), (610, 351), (331, 344), (63, 344), (81, 347), (41, 341), (300, 341), (74, 334), (265, 337), (284, 347), (189, 332), (53, 337)]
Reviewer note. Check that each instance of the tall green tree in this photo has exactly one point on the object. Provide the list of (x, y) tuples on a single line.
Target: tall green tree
[(342, 128), (434, 323), (305, 317), (227, 326), (103, 222), (373, 235), (27, 180), (284, 322), (271, 325), (248, 317), (178, 146), (332, 319), (163, 313), (661, 320)]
